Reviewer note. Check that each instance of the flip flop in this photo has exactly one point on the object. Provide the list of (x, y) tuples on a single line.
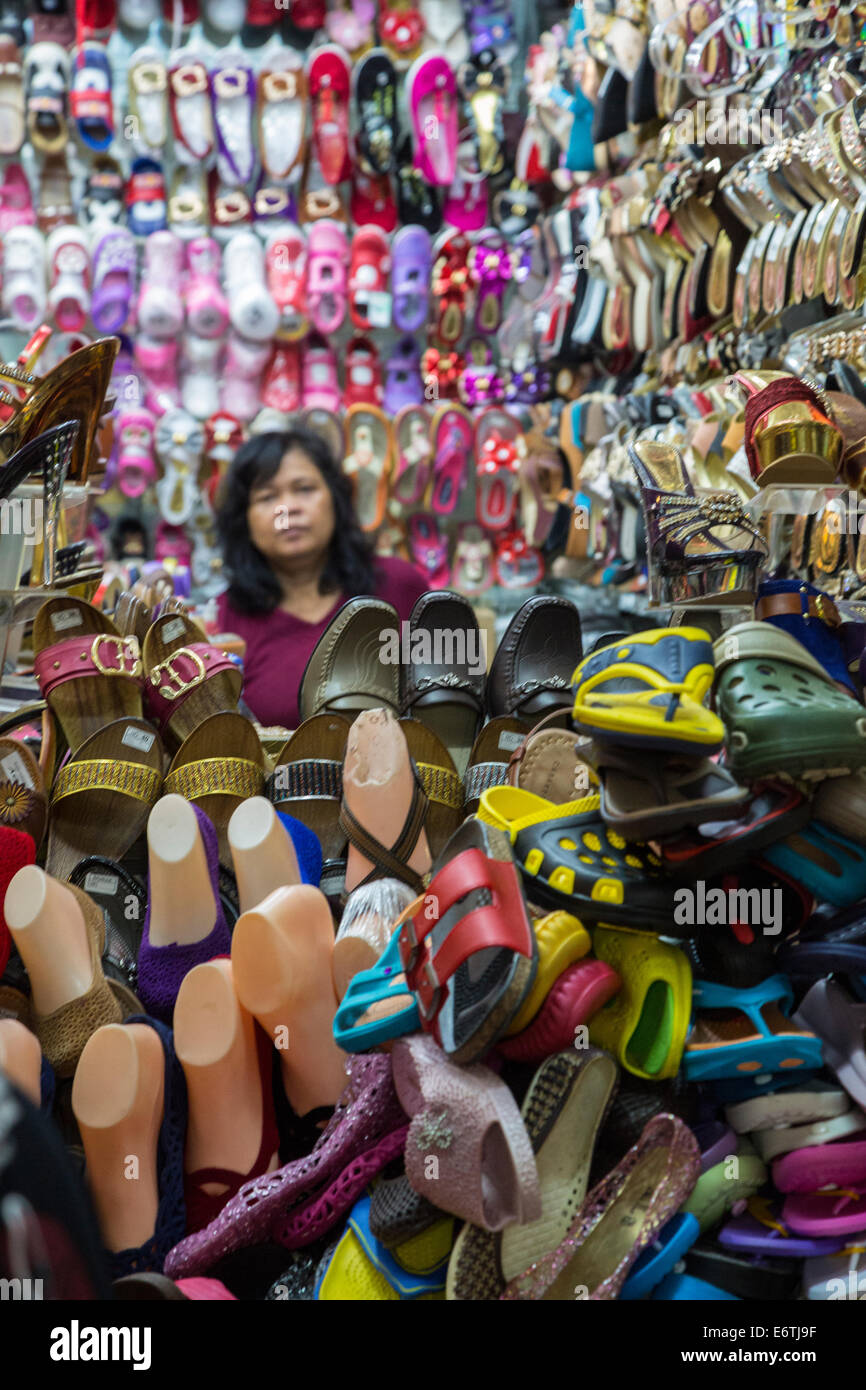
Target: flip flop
[(452, 434), (827, 945), (646, 1023), (414, 452), (719, 1189), (724, 1045), (101, 798), (429, 549), (369, 462), (675, 1238), (838, 1020), (762, 1231), (659, 796)]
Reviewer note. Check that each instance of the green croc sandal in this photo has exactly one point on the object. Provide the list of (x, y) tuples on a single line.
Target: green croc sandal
[(570, 860), (782, 711), (733, 1180), (646, 1024), (647, 691)]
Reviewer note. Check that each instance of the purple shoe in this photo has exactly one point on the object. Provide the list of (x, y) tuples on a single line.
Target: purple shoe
[(161, 969), (403, 384), (367, 1125), (411, 268)]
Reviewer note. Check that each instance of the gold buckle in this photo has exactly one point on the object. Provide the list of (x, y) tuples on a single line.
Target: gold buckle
[(127, 647), (826, 610), (183, 686)]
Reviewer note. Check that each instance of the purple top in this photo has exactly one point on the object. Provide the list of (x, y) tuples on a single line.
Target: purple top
[(279, 645)]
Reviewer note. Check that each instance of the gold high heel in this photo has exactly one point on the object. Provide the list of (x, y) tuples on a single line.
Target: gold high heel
[(790, 435), (73, 390)]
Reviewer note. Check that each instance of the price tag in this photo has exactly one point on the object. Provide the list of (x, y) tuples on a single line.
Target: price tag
[(103, 884), (67, 617), (173, 629), (379, 309), (138, 738), (15, 768)]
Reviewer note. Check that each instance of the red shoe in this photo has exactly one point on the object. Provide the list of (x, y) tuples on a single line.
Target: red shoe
[(372, 202), (363, 374), (308, 14), (262, 13), (369, 300), (94, 19), (286, 268), (330, 76), (189, 12), (281, 389), (581, 990)]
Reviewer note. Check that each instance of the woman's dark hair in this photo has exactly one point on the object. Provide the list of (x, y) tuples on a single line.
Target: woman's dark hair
[(253, 586)]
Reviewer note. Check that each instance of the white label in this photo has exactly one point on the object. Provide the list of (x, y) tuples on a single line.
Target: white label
[(176, 628), (106, 884), (379, 309), (509, 741), (15, 768), (67, 617), (138, 738)]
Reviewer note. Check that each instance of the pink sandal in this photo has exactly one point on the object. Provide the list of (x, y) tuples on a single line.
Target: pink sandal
[(467, 1149), (431, 95), (414, 455), (136, 466), (429, 549), (320, 383), (158, 362), (328, 256), (452, 435)]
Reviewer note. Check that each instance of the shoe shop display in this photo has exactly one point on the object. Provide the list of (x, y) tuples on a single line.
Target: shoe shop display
[(433, 655)]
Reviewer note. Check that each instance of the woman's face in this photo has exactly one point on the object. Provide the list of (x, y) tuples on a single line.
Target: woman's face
[(291, 516)]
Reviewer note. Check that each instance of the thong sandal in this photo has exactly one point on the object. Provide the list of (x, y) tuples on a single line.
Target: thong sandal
[(647, 692), (307, 781), (570, 859), (87, 672), (723, 1045), (660, 795), (102, 797), (646, 1023)]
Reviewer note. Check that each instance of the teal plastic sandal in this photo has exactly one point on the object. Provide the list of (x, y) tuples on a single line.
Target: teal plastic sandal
[(723, 1046)]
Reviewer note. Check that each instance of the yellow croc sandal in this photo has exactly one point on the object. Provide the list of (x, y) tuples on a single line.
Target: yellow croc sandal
[(362, 1269), (646, 1023), (570, 860), (561, 941), (648, 690)]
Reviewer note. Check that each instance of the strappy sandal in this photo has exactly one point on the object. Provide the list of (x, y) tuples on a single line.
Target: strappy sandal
[(571, 860), (439, 778), (725, 1045), (647, 692), (365, 756), (782, 711)]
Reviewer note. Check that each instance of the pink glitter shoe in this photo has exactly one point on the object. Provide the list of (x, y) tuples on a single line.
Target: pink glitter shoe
[(367, 1113), (622, 1215)]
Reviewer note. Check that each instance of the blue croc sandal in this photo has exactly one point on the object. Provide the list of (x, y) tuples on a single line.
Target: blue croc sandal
[(384, 981), (721, 1043), (676, 1237), (831, 867)]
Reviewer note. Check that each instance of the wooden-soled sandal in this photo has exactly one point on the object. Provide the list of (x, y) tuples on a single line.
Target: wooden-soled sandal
[(87, 672), (23, 803), (307, 781), (103, 795), (489, 759), (187, 679), (217, 767), (438, 777)]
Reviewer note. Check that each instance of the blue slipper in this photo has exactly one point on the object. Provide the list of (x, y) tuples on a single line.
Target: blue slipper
[(676, 1237), (714, 1050), (308, 850), (370, 987), (831, 867)]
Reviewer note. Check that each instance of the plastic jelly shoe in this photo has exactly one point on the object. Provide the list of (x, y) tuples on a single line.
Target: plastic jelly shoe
[(645, 1024)]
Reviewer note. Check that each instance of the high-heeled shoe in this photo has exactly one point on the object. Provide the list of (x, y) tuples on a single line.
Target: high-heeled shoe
[(700, 548), (790, 434), (73, 390)]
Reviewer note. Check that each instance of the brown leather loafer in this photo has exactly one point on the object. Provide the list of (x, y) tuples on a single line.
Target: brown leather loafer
[(531, 672)]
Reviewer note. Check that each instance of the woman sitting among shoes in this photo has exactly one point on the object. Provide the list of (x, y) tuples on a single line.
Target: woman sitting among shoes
[(294, 553)]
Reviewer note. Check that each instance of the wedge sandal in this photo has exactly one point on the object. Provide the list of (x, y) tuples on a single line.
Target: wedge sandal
[(571, 860), (647, 691), (745, 1031), (645, 1024), (782, 711)]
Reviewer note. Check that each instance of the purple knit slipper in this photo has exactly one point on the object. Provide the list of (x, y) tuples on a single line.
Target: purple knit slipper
[(367, 1113), (161, 969)]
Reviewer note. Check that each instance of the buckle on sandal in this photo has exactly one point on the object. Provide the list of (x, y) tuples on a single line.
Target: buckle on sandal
[(177, 684), (127, 649), (826, 610)]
